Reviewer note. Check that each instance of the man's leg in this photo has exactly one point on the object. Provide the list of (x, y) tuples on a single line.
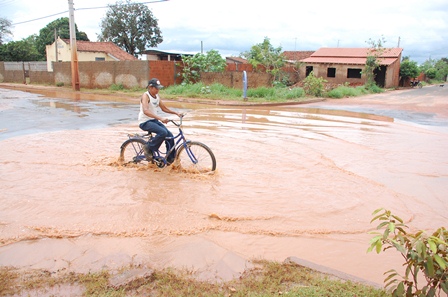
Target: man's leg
[(169, 145), (159, 129)]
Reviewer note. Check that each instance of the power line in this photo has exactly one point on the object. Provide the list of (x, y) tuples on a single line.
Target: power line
[(48, 16), (85, 8)]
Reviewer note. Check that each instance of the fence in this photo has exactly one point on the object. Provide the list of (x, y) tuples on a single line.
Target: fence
[(130, 74)]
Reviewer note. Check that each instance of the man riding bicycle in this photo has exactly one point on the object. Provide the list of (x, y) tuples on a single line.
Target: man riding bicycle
[(150, 119)]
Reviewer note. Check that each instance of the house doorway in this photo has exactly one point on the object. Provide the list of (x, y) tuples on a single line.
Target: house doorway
[(309, 69), (380, 76)]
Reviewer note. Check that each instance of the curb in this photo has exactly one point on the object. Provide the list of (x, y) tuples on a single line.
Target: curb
[(326, 270)]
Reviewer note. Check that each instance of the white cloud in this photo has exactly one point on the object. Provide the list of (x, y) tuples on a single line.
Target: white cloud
[(233, 26)]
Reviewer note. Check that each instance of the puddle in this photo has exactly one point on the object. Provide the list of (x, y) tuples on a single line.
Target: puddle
[(291, 181)]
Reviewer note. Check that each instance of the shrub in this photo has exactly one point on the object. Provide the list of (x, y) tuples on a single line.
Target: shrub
[(421, 252), (314, 86)]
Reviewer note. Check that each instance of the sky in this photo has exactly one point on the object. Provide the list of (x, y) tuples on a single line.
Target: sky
[(232, 27)]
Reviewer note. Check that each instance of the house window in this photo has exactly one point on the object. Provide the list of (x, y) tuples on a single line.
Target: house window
[(353, 73), (100, 59), (309, 69), (331, 72)]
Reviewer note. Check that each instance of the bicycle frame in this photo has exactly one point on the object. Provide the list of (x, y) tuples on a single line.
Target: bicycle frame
[(132, 150), (181, 141)]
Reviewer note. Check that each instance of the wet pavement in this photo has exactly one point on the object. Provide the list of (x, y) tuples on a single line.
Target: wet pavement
[(299, 180)]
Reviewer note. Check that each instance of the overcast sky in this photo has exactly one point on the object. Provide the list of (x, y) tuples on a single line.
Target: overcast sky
[(233, 26)]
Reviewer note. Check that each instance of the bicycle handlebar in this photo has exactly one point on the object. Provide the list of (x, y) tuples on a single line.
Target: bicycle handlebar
[(180, 121)]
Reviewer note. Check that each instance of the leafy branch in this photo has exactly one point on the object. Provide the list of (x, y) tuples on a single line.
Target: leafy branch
[(421, 252)]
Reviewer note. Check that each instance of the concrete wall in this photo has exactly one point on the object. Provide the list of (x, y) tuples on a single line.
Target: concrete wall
[(101, 74)]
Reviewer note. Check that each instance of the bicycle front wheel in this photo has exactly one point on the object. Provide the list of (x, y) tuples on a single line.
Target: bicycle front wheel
[(196, 157), (132, 151)]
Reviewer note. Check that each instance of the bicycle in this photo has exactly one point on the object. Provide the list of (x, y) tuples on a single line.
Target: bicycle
[(192, 156), (416, 83)]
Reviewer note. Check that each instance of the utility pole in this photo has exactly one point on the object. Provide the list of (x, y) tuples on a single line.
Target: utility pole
[(56, 44), (398, 41), (74, 64)]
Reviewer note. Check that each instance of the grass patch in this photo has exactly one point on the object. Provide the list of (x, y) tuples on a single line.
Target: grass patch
[(265, 279), (219, 91), (345, 91)]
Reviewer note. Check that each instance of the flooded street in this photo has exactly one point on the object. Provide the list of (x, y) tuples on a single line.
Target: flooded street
[(293, 180)]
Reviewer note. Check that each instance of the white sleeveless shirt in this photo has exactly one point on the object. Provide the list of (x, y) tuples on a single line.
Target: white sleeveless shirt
[(153, 107)]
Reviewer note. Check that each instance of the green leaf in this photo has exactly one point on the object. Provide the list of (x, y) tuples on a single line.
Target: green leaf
[(377, 210), (377, 217), (379, 245), (431, 292), (382, 225), (432, 246), (390, 276), (397, 218), (400, 289), (440, 261), (399, 247), (444, 286), (387, 285), (429, 265), (376, 238), (391, 227)]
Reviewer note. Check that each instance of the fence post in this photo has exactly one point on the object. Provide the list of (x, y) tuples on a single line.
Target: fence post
[(245, 85), (23, 72)]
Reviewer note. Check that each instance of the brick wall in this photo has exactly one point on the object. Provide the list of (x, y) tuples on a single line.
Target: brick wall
[(103, 74), (234, 79)]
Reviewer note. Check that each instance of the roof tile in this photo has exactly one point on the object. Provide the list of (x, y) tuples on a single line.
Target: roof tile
[(103, 47), (352, 55)]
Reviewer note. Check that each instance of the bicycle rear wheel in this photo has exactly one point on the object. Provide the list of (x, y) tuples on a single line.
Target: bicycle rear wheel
[(132, 151), (196, 157)]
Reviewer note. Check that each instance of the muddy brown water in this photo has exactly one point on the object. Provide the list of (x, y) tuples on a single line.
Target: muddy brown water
[(298, 180)]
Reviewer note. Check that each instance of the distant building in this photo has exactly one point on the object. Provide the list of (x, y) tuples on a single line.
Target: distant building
[(87, 51), (157, 55), (346, 65), (295, 56)]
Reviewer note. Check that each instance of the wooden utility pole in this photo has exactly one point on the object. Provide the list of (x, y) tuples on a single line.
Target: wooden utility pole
[(56, 44), (74, 64)]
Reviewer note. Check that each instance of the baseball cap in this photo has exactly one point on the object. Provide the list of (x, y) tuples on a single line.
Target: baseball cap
[(154, 83)]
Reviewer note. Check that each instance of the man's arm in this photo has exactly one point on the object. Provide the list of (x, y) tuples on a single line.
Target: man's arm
[(166, 109), (147, 111)]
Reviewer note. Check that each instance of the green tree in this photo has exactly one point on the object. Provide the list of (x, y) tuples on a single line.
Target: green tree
[(373, 60), (264, 54), (5, 29), (212, 61), (46, 34), (409, 69), (441, 67), (431, 73), (430, 63), (131, 26), (425, 256), (23, 50)]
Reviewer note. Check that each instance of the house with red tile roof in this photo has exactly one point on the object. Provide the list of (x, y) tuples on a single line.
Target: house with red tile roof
[(294, 56), (60, 51), (346, 65)]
